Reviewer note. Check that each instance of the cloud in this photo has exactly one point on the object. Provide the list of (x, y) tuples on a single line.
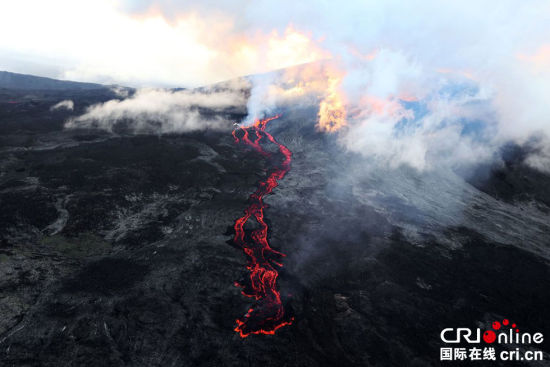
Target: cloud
[(401, 113), (66, 104), (477, 75), (162, 111), (398, 65), (540, 156), (143, 49), (120, 91)]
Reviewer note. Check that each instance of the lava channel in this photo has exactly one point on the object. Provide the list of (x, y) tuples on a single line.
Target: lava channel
[(268, 314)]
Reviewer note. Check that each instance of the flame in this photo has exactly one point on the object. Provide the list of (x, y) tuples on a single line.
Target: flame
[(265, 52), (321, 82), (332, 112), (302, 80), (292, 49)]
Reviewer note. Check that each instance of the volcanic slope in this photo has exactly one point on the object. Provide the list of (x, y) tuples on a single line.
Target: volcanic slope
[(114, 247)]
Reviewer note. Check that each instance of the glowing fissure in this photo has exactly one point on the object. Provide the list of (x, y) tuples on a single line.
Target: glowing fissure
[(268, 314)]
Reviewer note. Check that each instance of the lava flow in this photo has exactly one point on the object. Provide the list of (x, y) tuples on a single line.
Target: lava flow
[(268, 314)]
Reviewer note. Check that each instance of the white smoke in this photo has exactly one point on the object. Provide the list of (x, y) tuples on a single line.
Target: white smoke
[(120, 92), (420, 50), (163, 111), (66, 104), (540, 158), (465, 64), (407, 115), (261, 101)]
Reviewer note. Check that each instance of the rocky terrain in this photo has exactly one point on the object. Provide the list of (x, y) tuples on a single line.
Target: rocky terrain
[(114, 247)]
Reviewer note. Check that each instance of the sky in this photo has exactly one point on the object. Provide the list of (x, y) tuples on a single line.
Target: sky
[(184, 43), (141, 43), (456, 63)]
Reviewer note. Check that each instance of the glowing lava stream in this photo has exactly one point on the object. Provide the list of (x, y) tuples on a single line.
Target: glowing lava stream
[(268, 314)]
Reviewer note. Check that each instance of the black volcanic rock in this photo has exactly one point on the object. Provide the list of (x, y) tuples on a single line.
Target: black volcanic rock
[(113, 248), (512, 179)]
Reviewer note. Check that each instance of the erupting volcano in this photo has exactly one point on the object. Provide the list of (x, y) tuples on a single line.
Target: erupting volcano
[(268, 314)]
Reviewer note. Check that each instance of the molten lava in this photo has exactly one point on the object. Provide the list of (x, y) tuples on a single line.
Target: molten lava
[(268, 314)]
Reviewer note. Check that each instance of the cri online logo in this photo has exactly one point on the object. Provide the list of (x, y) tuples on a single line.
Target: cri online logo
[(498, 334)]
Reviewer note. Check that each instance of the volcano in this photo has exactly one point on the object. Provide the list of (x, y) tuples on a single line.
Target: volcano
[(122, 248)]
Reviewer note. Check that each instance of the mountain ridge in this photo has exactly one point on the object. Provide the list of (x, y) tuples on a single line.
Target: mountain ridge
[(9, 80)]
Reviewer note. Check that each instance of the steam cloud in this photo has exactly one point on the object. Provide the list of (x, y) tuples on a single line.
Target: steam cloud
[(424, 84), (432, 84), (164, 111), (66, 104)]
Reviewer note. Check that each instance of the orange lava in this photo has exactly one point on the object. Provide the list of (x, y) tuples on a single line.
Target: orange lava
[(268, 314)]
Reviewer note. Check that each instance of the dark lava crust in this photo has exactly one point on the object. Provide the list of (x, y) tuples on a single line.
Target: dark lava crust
[(113, 250)]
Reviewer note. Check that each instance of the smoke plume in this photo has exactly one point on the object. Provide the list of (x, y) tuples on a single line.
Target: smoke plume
[(66, 104), (165, 111), (422, 84)]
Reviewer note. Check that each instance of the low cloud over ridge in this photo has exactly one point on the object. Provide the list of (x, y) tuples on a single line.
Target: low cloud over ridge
[(164, 111)]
